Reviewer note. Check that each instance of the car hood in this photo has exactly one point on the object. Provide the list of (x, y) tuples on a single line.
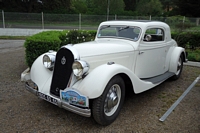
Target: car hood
[(103, 47)]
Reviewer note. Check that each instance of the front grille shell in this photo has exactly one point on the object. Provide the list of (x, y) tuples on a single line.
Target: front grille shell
[(63, 69)]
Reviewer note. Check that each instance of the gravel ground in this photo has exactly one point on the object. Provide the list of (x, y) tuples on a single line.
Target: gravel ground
[(23, 112)]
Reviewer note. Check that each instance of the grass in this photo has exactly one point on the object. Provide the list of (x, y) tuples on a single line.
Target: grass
[(13, 37), (54, 23)]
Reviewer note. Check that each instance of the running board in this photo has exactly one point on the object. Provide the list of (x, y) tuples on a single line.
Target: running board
[(159, 78)]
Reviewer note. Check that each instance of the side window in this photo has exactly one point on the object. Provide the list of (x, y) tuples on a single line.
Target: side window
[(154, 34)]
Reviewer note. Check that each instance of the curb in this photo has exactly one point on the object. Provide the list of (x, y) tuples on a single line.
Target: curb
[(191, 63)]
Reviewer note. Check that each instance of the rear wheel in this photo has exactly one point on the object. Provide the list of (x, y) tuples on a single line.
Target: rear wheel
[(106, 108), (179, 68)]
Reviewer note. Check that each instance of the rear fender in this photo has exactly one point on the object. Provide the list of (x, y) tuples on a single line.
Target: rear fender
[(175, 57)]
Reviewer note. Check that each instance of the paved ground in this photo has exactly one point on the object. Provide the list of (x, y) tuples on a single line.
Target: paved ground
[(10, 45), (23, 112)]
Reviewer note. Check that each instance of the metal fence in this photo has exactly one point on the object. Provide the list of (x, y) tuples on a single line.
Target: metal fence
[(80, 21)]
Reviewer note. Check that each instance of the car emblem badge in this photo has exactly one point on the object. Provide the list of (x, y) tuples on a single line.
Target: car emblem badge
[(63, 60), (57, 89)]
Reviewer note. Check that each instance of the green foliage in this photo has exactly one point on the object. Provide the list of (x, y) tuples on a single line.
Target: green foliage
[(76, 36), (22, 6), (150, 7), (183, 26), (100, 7), (193, 55), (79, 6), (167, 4), (188, 40), (41, 43), (130, 5), (177, 18), (179, 22), (56, 6), (14, 37), (188, 7)]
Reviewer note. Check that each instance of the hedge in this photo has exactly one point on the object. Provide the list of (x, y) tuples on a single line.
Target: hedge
[(52, 40), (39, 44), (189, 40)]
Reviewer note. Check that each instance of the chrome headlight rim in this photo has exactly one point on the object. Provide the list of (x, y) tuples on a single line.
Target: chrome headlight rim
[(48, 61), (80, 68)]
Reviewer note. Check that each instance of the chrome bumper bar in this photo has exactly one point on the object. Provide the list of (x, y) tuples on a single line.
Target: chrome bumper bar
[(67, 106)]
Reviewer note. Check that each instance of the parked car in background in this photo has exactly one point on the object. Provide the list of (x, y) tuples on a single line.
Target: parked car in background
[(91, 78)]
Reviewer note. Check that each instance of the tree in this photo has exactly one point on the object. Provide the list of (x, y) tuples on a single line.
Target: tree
[(100, 6), (190, 8), (79, 6), (19, 5), (149, 7), (130, 5), (57, 6), (168, 4)]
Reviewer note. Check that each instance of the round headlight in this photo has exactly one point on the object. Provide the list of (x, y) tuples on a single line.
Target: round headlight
[(48, 61), (80, 68)]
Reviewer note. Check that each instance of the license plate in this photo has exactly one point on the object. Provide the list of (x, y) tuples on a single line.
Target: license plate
[(48, 98)]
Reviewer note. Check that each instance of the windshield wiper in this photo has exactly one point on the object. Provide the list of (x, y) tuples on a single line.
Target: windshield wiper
[(123, 28)]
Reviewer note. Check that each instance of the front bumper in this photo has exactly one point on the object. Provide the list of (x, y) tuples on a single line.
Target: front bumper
[(67, 106)]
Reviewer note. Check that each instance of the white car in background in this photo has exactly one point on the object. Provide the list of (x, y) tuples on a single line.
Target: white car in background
[(91, 78)]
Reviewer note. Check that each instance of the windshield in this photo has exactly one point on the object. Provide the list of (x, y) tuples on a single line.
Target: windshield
[(128, 32)]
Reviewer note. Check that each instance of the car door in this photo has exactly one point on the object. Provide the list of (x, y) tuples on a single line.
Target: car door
[(152, 53)]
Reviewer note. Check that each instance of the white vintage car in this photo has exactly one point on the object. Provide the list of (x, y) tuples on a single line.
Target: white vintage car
[(91, 78)]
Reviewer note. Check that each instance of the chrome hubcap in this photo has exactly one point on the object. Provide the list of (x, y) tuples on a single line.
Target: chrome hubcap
[(112, 100)]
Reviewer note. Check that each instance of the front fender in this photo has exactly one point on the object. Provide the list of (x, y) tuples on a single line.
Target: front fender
[(175, 57), (95, 82), (39, 74)]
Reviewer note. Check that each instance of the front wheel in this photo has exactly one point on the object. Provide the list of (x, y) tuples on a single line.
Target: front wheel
[(179, 68), (106, 108)]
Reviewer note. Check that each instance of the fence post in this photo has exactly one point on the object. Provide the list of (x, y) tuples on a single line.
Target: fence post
[(184, 19), (108, 10), (79, 21), (3, 19), (42, 21), (150, 17), (197, 21), (115, 17)]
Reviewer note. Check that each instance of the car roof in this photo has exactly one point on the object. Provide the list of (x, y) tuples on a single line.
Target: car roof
[(139, 23)]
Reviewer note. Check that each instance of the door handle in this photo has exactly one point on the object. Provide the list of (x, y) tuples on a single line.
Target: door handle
[(141, 52)]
